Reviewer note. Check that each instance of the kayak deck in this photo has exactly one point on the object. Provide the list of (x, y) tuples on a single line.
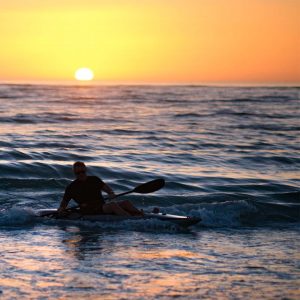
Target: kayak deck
[(183, 221)]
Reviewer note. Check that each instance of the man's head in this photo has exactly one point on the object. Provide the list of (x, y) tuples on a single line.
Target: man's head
[(79, 170)]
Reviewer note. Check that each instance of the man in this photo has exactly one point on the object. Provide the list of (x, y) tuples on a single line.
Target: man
[(86, 191)]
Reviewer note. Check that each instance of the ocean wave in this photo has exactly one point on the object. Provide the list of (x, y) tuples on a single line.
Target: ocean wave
[(239, 213), (272, 115), (188, 115), (232, 211), (16, 217), (65, 154), (50, 119), (282, 97), (267, 160), (268, 127), (30, 183), (288, 197)]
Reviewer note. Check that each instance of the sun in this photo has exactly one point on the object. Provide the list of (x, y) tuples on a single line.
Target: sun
[(84, 74)]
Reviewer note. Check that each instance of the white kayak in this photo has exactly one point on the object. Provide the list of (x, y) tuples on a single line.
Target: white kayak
[(183, 221)]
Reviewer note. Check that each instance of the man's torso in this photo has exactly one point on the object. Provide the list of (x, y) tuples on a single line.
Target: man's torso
[(87, 193)]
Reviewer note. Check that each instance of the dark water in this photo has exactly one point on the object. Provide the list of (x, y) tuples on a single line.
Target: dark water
[(229, 155)]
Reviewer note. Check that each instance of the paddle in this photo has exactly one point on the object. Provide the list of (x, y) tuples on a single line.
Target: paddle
[(145, 188)]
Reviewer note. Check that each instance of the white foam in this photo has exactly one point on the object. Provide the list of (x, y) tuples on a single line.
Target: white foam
[(218, 214), (16, 216)]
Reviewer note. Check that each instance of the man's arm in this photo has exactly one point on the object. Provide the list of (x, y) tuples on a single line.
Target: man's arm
[(107, 189), (65, 201)]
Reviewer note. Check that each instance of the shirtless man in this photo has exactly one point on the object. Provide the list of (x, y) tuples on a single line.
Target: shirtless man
[(86, 191)]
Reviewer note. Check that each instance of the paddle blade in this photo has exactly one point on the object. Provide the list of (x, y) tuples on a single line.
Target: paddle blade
[(150, 187)]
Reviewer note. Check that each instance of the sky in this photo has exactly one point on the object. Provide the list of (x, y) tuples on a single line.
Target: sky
[(151, 41)]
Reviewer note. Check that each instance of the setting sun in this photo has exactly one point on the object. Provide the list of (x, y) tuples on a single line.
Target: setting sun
[(84, 74)]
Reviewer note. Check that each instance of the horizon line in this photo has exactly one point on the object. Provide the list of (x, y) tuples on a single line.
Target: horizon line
[(148, 83)]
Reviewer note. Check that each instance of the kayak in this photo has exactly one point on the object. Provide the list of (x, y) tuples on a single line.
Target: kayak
[(183, 221)]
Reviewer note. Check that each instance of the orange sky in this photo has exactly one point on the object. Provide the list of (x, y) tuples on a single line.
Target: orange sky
[(166, 41)]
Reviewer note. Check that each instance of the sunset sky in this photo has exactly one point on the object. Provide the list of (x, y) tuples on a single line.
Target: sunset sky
[(140, 41)]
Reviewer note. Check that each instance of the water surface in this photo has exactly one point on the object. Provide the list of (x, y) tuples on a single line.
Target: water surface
[(228, 155)]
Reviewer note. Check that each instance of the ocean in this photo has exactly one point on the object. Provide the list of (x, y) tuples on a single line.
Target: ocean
[(229, 155)]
